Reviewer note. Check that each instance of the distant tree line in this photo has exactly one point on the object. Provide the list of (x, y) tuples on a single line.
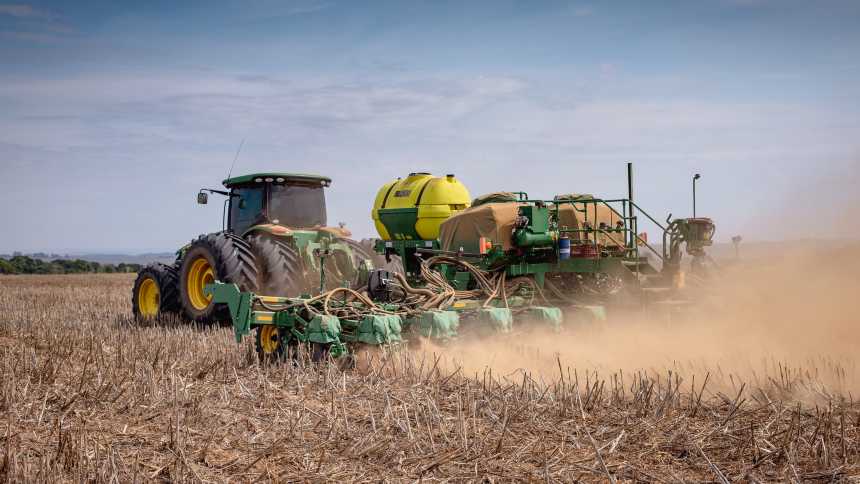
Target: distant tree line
[(22, 264)]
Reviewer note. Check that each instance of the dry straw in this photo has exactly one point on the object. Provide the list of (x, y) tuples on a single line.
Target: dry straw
[(86, 395)]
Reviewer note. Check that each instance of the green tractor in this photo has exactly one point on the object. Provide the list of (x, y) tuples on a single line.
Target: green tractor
[(274, 241)]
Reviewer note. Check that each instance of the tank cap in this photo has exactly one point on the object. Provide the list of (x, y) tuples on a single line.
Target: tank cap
[(450, 175)]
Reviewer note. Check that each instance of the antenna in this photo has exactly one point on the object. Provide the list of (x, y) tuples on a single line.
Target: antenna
[(235, 158)]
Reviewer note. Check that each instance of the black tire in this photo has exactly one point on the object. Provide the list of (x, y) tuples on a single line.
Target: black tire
[(232, 261), (280, 344), (319, 352), (364, 250), (279, 266), (166, 279), (395, 265)]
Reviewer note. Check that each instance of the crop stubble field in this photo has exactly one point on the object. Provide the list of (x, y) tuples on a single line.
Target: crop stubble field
[(87, 394)]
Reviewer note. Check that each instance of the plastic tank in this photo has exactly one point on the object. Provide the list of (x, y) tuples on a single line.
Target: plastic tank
[(412, 208)]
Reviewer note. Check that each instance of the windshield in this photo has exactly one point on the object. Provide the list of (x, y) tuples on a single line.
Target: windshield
[(297, 205)]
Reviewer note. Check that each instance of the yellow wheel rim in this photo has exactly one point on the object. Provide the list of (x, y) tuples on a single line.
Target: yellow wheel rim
[(148, 297), (199, 274), (269, 340)]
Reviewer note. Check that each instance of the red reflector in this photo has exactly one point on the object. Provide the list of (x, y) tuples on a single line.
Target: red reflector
[(585, 250), (484, 245)]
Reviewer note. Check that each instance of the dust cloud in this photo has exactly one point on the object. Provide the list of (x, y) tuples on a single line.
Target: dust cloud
[(790, 318), (790, 313)]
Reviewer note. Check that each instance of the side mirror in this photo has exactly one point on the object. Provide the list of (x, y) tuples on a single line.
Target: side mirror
[(202, 198)]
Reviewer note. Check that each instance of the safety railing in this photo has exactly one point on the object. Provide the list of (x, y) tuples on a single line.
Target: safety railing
[(628, 214), (661, 226)]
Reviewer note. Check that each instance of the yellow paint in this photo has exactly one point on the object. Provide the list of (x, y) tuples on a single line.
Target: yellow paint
[(269, 339), (199, 274), (148, 298), (270, 299), (441, 197), (273, 228), (264, 317), (380, 198)]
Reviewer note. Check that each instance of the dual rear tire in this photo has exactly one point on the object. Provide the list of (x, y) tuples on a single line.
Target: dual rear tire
[(262, 263), (156, 292), (280, 267), (364, 250)]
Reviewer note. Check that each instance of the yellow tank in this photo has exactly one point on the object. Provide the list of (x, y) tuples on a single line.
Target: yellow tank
[(414, 207)]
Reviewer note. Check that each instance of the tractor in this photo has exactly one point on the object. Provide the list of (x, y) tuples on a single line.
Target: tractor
[(274, 240)]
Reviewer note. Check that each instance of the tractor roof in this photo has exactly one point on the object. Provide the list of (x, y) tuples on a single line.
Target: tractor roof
[(301, 177)]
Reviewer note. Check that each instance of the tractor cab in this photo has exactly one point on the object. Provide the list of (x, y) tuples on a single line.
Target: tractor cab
[(286, 199)]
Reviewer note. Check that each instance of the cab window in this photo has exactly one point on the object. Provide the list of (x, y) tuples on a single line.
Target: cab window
[(246, 208)]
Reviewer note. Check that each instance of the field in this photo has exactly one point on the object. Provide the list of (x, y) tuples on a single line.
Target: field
[(87, 394)]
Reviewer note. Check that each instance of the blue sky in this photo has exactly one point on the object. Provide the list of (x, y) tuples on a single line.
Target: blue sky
[(113, 114)]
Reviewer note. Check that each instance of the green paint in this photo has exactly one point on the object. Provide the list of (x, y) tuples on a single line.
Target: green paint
[(324, 329), (440, 325), (238, 303), (461, 280), (546, 316), (538, 218), (498, 320), (377, 329), (400, 222), (407, 251)]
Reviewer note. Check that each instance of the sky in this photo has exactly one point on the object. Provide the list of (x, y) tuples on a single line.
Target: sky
[(113, 114)]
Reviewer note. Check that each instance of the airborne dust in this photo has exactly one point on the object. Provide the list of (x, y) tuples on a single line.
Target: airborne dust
[(784, 315)]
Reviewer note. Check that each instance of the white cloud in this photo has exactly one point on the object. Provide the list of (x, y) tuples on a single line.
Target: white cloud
[(32, 25), (199, 105), (268, 9), (22, 11), (34, 37), (492, 114), (583, 11), (495, 132)]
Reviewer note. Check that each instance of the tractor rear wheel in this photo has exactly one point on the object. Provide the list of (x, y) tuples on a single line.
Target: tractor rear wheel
[(279, 264), (364, 250), (214, 257), (155, 292)]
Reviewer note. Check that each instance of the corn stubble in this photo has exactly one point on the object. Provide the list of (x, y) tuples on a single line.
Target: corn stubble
[(87, 394)]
